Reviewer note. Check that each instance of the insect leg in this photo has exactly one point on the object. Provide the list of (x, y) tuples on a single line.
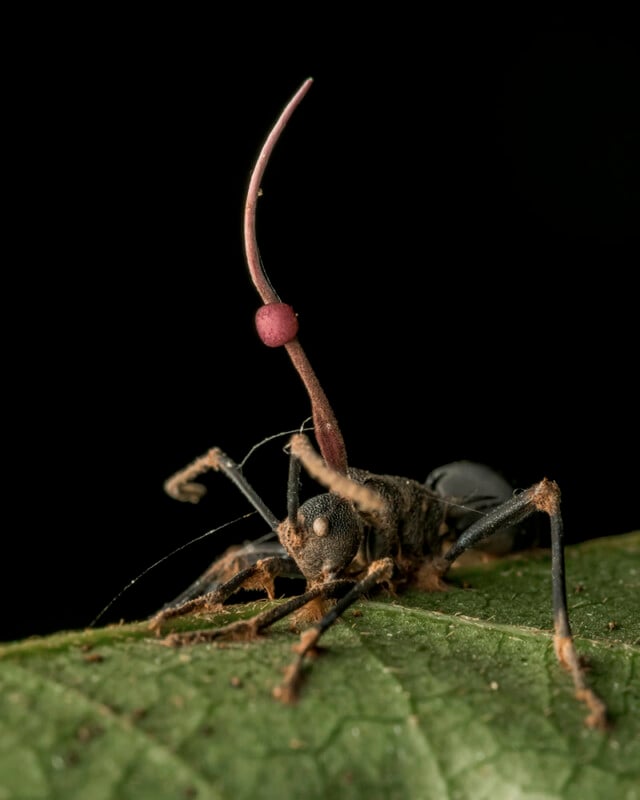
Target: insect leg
[(378, 572), (545, 497), (181, 486), (260, 575), (236, 558), (250, 628)]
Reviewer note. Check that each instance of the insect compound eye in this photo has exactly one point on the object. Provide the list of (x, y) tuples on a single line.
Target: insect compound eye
[(320, 526)]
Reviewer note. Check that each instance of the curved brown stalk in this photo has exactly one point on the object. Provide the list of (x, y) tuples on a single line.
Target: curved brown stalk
[(327, 431)]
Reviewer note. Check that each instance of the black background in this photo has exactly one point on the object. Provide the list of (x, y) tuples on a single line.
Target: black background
[(451, 212)]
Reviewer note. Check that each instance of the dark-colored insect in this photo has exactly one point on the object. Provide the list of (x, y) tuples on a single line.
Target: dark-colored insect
[(366, 530)]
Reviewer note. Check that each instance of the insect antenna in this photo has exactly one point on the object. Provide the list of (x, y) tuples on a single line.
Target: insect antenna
[(302, 429), (164, 558)]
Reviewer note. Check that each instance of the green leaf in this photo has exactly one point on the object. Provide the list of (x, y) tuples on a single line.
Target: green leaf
[(447, 695)]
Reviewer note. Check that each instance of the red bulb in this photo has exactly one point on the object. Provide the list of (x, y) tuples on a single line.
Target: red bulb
[(276, 324)]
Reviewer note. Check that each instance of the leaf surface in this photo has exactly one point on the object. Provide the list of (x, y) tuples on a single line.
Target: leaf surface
[(447, 695)]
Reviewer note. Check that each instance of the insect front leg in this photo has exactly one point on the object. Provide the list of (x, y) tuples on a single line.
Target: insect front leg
[(228, 565), (246, 629), (243, 568), (182, 486), (260, 575), (378, 572), (544, 497)]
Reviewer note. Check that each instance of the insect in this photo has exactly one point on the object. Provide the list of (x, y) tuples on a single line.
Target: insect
[(365, 530)]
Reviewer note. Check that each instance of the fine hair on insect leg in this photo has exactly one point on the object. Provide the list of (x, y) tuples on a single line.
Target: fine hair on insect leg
[(365, 530)]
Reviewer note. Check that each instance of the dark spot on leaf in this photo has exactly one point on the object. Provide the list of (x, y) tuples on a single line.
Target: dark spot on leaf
[(89, 731), (93, 658)]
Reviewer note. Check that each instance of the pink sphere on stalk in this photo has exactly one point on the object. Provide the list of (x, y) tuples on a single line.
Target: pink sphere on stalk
[(276, 324)]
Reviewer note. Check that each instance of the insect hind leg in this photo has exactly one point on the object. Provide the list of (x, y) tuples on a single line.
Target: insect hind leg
[(545, 497)]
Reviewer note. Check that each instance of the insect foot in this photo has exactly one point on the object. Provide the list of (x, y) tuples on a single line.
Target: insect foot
[(240, 631), (209, 603), (569, 659), (288, 691), (429, 576)]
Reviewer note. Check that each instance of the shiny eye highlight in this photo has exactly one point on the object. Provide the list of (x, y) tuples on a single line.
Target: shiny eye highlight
[(320, 526)]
